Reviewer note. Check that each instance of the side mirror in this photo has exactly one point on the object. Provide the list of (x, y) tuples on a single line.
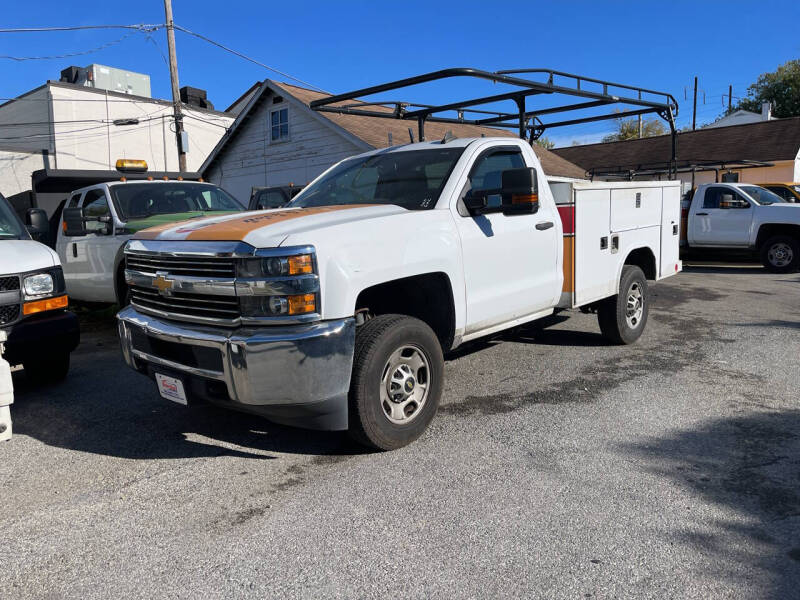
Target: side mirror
[(727, 201), (74, 223), (37, 223), (475, 203), (520, 191)]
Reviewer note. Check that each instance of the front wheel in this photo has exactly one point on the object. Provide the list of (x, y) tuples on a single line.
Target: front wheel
[(397, 381), (780, 254), (623, 317)]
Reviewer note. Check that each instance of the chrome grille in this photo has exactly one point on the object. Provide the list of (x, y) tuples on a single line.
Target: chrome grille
[(195, 266), (9, 313), (199, 306), (9, 283)]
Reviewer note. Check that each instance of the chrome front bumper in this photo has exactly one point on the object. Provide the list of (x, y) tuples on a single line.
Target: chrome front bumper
[(296, 374)]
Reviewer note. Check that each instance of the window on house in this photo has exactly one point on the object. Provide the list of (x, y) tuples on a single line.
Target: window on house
[(280, 124)]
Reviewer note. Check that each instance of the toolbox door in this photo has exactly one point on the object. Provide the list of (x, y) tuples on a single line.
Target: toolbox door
[(635, 208), (595, 265), (670, 231)]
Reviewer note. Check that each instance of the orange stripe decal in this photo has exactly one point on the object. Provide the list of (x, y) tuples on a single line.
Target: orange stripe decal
[(569, 264), (234, 230)]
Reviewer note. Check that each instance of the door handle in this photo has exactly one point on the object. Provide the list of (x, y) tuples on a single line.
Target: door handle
[(702, 214), (74, 250), (544, 225)]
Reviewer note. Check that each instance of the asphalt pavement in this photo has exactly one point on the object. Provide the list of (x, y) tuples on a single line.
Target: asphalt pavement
[(558, 467)]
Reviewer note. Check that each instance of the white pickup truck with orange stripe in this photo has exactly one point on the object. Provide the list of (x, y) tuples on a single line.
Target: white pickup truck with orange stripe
[(335, 312)]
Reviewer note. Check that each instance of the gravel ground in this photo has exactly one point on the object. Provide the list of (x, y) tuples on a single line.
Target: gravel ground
[(558, 467)]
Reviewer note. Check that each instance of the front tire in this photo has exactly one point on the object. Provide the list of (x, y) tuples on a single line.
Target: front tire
[(623, 317), (781, 254), (51, 369), (397, 379)]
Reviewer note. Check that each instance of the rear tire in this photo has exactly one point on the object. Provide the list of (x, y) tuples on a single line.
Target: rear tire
[(623, 317), (396, 385), (47, 370), (781, 254)]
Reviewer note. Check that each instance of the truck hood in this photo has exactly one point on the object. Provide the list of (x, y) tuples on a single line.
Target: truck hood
[(267, 228), (138, 223), (19, 256)]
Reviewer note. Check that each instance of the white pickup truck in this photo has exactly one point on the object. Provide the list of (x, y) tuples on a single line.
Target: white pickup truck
[(97, 220), (742, 216), (335, 313)]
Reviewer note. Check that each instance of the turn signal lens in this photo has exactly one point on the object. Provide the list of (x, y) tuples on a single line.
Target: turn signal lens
[(524, 198), (301, 304), (31, 308), (301, 264)]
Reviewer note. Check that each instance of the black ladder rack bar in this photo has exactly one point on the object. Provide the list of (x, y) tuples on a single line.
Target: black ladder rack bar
[(665, 105)]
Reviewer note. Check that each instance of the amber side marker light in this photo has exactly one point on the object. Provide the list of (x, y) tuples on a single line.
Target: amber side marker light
[(300, 265), (524, 198), (301, 304), (37, 306)]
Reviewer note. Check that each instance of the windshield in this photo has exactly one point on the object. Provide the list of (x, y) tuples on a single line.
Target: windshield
[(761, 195), (10, 226), (138, 200), (412, 179)]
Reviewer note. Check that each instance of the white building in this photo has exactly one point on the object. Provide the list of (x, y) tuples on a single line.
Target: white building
[(743, 117), (69, 126)]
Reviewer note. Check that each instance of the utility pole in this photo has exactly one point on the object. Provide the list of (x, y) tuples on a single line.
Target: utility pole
[(176, 94), (730, 93), (694, 110), (640, 119)]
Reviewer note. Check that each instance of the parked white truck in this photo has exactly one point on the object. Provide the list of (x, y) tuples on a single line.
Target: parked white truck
[(742, 216), (40, 332), (97, 220), (335, 313)]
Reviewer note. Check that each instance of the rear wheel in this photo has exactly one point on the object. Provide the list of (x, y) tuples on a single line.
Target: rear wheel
[(51, 369), (623, 317), (397, 381), (781, 254)]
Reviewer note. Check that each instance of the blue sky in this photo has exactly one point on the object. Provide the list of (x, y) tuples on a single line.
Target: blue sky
[(339, 46)]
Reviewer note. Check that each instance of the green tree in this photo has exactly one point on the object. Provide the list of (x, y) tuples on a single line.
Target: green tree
[(781, 88), (628, 129), (546, 143)]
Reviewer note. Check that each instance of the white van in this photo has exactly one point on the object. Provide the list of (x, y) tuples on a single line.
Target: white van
[(33, 299)]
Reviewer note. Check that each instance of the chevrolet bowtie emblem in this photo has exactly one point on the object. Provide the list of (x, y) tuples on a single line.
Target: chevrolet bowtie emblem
[(162, 284)]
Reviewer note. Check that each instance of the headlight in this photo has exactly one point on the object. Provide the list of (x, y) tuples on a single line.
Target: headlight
[(278, 306), (38, 285), (271, 285), (277, 266)]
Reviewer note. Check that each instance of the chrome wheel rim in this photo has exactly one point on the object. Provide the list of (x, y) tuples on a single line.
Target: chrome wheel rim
[(780, 254), (405, 383), (634, 307)]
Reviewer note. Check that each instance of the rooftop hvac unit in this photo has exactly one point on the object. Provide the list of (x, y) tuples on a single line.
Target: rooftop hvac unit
[(108, 78)]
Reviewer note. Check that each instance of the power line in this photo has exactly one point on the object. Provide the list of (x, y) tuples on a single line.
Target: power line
[(139, 26), (71, 54), (252, 60)]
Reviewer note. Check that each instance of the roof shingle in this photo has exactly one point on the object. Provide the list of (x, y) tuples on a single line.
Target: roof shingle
[(774, 140)]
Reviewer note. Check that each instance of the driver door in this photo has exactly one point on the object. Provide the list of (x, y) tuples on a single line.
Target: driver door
[(89, 270), (724, 218), (509, 262)]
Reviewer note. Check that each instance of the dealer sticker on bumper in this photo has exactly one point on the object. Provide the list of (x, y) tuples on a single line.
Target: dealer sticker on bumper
[(171, 388)]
